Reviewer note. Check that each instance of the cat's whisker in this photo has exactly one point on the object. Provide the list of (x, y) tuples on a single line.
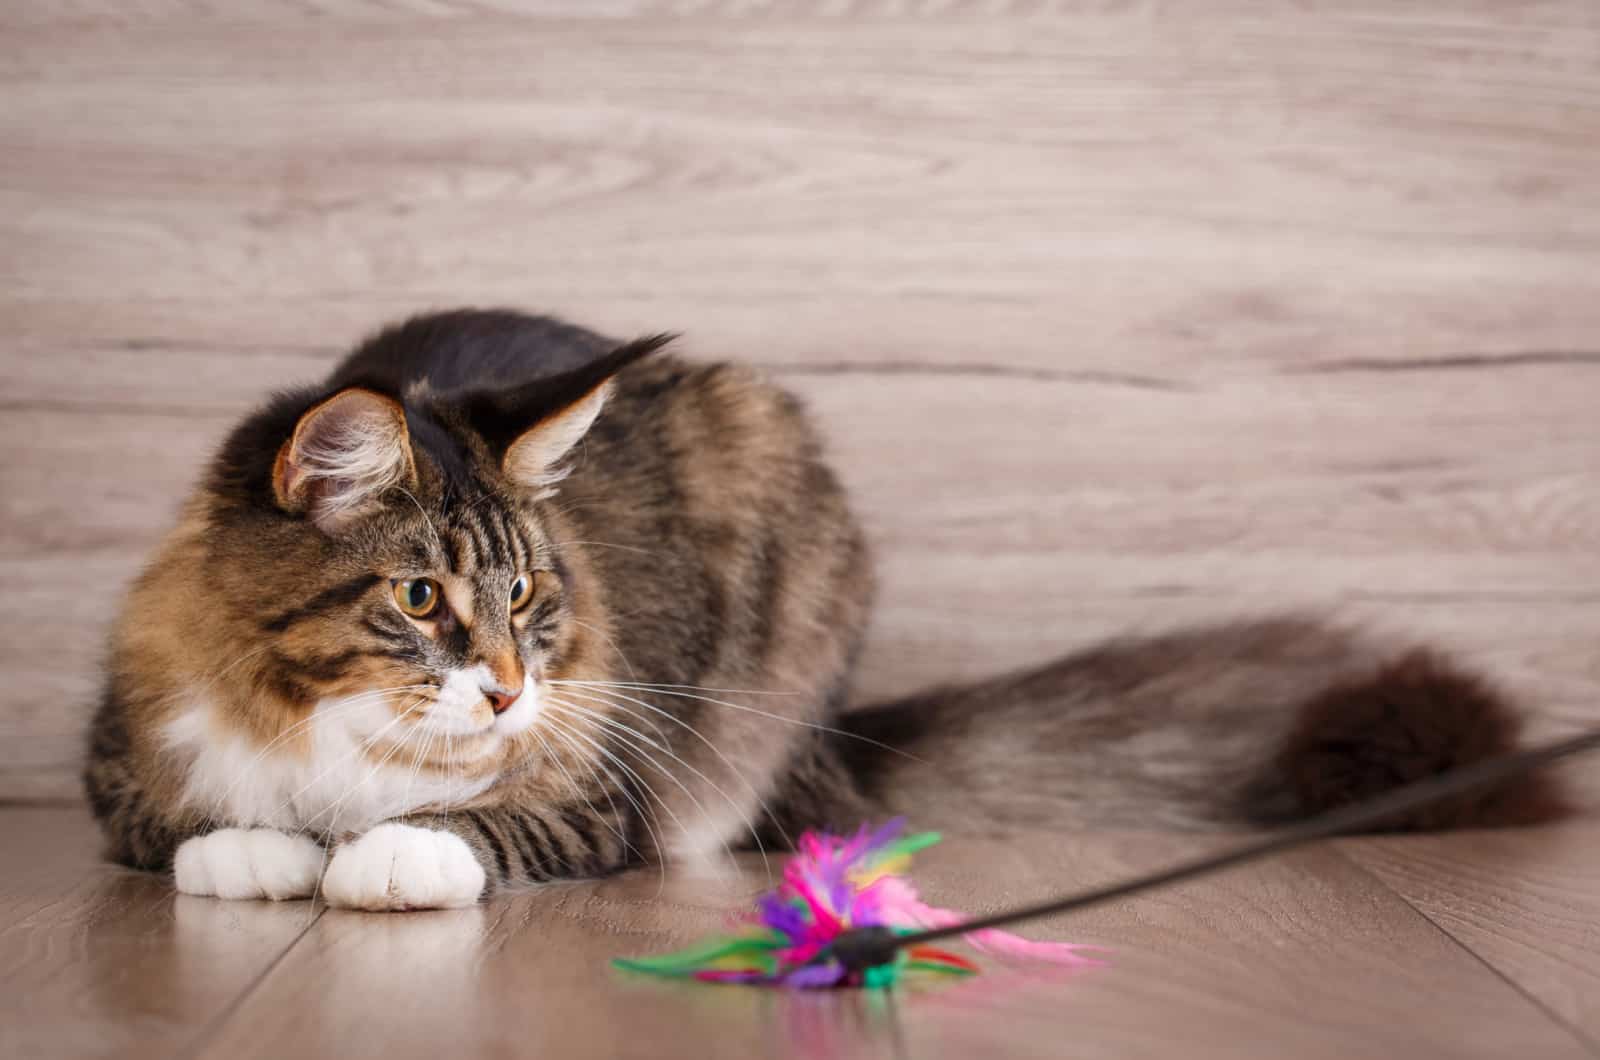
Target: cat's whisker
[(355, 751), (370, 770), (319, 714), (643, 784), (704, 811), (692, 688), (449, 772), (609, 544), (608, 639), (418, 759), (594, 696), (555, 760), (605, 789), (611, 723), (333, 820), (659, 742), (573, 736), (578, 790), (667, 690), (216, 677)]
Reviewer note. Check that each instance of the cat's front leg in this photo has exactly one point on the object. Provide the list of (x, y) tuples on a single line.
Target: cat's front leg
[(243, 863), (446, 861)]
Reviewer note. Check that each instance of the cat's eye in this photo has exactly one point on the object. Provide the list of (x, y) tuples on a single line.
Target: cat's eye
[(417, 597), (522, 590)]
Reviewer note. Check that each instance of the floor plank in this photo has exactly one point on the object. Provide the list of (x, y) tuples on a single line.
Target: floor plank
[(1293, 957), (1307, 956), (1527, 903), (98, 962)]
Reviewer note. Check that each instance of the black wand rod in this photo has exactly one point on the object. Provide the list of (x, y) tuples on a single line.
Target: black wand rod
[(869, 947)]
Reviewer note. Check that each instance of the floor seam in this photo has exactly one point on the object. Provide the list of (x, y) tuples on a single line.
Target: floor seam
[(220, 1020), (1589, 1044)]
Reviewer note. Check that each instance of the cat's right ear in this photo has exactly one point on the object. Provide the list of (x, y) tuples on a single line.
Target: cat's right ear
[(344, 454), (533, 427)]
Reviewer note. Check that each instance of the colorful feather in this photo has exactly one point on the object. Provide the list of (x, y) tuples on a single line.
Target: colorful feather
[(834, 884)]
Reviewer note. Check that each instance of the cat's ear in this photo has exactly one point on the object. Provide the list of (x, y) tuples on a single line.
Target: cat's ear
[(533, 459), (533, 427), (344, 453)]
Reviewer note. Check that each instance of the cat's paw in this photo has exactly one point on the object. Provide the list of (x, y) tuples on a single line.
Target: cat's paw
[(248, 863), (400, 866)]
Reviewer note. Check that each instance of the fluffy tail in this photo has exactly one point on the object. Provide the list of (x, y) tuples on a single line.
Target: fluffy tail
[(1234, 726)]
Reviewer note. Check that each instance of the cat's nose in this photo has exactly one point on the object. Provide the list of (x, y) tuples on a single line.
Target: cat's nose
[(500, 699)]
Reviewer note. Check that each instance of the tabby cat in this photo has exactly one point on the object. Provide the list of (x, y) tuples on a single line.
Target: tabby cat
[(503, 601)]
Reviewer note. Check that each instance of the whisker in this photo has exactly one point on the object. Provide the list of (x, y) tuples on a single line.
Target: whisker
[(704, 812), (607, 638), (659, 743), (594, 696), (577, 789), (371, 770), (571, 735), (333, 820), (357, 749), (694, 688), (609, 544), (630, 771), (667, 690), (605, 789), (317, 714)]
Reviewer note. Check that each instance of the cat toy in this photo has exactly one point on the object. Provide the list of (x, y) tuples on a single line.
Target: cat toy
[(844, 916), (832, 888)]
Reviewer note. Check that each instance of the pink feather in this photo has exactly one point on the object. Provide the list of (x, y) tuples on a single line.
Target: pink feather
[(901, 904)]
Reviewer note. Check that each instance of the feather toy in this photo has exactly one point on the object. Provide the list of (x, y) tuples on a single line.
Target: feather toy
[(834, 884)]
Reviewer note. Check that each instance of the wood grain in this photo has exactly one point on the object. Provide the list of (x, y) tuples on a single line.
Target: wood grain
[(1527, 903), (1116, 315), (1308, 956), (98, 962)]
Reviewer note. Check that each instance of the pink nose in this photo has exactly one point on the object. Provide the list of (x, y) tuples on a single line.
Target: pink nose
[(500, 700)]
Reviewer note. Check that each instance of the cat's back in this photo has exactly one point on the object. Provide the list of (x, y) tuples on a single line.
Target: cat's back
[(469, 350)]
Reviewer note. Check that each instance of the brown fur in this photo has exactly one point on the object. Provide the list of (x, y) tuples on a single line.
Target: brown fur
[(700, 562), (1237, 725)]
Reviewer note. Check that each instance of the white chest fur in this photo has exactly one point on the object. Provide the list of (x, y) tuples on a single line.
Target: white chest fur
[(324, 778)]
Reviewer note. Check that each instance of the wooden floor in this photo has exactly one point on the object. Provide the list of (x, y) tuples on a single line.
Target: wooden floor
[(1482, 945), (1115, 315)]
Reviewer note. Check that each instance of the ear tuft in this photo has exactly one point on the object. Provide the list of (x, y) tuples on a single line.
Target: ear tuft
[(344, 454)]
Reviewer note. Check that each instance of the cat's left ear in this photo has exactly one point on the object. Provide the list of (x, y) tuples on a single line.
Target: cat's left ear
[(533, 427), (345, 453)]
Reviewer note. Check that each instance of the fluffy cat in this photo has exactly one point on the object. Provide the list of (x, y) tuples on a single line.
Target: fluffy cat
[(503, 601)]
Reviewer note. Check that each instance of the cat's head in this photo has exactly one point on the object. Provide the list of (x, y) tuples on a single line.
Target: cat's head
[(380, 553)]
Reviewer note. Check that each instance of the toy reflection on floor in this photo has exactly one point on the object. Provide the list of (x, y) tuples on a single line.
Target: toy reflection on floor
[(833, 885)]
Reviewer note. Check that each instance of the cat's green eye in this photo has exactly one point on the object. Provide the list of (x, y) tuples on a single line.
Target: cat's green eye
[(417, 597), (522, 590)]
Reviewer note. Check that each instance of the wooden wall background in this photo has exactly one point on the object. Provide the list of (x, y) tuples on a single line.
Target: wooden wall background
[(1117, 314)]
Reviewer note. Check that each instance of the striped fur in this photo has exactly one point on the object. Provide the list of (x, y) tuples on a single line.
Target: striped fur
[(700, 589)]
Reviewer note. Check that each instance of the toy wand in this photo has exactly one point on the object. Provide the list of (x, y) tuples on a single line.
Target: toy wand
[(870, 947)]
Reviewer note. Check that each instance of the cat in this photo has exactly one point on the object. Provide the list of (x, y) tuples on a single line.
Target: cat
[(503, 601)]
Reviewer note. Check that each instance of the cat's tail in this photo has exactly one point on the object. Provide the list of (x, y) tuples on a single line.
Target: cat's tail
[(1232, 726)]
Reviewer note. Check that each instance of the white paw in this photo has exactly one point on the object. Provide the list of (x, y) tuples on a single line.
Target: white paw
[(248, 863), (401, 866)]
